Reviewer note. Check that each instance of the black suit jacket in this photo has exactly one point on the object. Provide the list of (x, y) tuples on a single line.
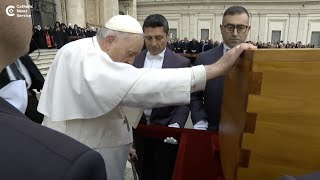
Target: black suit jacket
[(172, 114), (37, 83), (31, 151), (206, 105), (35, 75)]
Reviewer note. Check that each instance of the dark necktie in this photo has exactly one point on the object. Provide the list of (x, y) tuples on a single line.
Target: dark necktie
[(16, 71)]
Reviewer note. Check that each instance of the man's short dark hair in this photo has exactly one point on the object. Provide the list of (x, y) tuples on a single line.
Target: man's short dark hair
[(233, 10), (156, 20)]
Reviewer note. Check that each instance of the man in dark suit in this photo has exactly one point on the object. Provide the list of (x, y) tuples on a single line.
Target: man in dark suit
[(193, 47), (29, 150), (157, 158), (206, 105), (26, 70)]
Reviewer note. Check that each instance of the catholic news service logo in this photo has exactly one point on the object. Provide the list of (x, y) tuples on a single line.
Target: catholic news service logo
[(10, 11), (19, 10)]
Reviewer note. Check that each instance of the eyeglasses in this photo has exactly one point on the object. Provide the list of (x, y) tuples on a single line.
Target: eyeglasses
[(240, 28)]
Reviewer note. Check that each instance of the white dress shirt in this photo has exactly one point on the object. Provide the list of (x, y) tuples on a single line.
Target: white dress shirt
[(156, 62), (225, 48), (16, 94), (16, 91)]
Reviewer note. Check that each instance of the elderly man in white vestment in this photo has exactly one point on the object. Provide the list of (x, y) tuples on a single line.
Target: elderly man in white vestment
[(93, 93)]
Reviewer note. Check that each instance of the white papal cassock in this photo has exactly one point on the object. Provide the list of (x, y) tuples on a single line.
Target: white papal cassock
[(87, 96)]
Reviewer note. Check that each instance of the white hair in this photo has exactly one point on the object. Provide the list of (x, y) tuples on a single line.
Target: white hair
[(104, 32)]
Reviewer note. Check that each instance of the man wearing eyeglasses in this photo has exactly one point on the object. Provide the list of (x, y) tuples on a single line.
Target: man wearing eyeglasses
[(206, 105)]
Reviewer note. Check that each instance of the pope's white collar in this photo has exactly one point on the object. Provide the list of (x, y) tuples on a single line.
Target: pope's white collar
[(96, 43)]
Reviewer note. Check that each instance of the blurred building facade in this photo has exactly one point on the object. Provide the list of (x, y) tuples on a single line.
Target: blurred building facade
[(84, 13), (271, 20)]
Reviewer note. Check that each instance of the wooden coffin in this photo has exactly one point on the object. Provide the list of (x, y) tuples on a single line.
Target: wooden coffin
[(270, 124)]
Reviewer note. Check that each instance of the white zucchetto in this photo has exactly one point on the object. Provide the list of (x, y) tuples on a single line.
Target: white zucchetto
[(124, 23)]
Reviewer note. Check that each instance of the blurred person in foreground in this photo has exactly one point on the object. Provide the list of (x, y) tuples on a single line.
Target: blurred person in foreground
[(29, 150)]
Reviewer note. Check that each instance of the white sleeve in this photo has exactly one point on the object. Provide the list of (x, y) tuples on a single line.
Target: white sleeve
[(199, 78), (163, 87)]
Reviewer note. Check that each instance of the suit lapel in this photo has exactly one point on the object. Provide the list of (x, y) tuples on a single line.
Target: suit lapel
[(166, 59), (4, 78), (139, 61), (220, 52)]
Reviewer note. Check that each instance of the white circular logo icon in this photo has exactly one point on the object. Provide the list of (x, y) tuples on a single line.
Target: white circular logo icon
[(10, 10)]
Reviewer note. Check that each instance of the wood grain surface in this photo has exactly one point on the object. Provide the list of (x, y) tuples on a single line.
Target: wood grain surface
[(286, 129)]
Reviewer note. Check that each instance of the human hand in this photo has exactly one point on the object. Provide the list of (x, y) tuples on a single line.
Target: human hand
[(170, 140), (133, 155), (227, 61), (174, 125), (201, 125)]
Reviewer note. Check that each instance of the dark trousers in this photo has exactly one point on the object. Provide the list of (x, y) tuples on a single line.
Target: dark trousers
[(156, 159)]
